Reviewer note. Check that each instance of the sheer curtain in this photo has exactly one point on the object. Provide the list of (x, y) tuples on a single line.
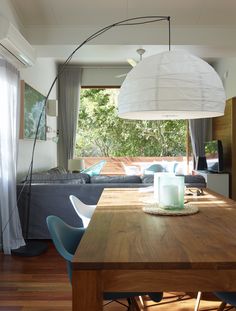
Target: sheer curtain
[(11, 234), (68, 104)]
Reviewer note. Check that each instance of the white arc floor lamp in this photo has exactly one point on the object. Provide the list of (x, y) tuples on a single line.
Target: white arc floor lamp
[(169, 85)]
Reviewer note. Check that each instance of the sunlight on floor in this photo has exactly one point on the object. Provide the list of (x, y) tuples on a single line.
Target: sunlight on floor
[(173, 302)]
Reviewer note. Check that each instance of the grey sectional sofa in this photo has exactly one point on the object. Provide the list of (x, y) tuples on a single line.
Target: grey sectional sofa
[(50, 196)]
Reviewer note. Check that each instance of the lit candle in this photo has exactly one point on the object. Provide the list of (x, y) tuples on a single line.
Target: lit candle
[(169, 196)]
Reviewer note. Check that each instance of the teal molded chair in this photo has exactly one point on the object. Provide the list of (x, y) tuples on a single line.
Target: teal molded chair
[(154, 168), (66, 240), (95, 169), (226, 297)]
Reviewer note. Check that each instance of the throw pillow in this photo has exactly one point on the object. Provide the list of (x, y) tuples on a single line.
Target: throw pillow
[(57, 170)]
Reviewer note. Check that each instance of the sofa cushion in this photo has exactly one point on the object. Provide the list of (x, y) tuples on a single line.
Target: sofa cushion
[(115, 179), (57, 170), (68, 178), (195, 181)]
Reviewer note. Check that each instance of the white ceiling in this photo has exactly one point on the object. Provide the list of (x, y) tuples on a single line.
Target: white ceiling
[(102, 12), (206, 28)]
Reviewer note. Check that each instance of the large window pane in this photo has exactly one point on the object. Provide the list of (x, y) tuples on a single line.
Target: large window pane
[(102, 133)]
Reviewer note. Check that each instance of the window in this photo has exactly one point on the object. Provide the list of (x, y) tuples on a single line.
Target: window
[(102, 133)]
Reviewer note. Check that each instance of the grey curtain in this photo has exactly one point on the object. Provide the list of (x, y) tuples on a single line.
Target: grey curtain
[(69, 84), (200, 131)]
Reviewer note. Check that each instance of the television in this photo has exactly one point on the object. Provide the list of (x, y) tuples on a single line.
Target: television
[(214, 156)]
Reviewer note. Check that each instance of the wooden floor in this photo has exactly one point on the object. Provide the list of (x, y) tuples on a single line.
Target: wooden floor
[(41, 284)]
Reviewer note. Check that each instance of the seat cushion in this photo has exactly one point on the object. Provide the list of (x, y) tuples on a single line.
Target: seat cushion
[(195, 181), (133, 179)]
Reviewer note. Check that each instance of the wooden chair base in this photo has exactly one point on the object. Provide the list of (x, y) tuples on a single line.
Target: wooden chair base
[(139, 304), (222, 306), (198, 300)]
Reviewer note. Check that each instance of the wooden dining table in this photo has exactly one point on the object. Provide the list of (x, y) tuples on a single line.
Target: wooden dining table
[(126, 249)]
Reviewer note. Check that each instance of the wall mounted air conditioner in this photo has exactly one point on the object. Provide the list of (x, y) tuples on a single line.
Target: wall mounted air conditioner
[(14, 47)]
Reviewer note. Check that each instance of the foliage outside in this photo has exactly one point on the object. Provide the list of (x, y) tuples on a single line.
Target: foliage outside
[(102, 133)]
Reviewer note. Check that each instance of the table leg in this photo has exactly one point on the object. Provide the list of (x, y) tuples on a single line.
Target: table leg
[(87, 292)]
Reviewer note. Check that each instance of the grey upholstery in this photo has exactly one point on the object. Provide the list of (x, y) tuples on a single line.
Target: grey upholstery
[(52, 198), (194, 181), (65, 178), (115, 179)]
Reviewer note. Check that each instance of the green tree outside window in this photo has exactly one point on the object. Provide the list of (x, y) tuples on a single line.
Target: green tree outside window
[(102, 133)]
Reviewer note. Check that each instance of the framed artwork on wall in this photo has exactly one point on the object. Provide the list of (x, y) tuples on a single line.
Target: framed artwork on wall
[(32, 104)]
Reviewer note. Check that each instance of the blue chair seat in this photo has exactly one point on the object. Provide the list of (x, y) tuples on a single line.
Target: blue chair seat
[(228, 297), (66, 240)]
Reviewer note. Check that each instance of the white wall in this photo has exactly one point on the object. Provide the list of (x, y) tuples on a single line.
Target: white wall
[(7, 10), (40, 77), (226, 68)]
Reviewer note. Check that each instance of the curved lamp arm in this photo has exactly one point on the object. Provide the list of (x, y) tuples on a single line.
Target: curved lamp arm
[(127, 22)]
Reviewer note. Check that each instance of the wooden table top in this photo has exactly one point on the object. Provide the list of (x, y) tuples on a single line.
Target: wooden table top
[(121, 236)]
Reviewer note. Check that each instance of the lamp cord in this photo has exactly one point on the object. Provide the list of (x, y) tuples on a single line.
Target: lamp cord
[(169, 33), (127, 22)]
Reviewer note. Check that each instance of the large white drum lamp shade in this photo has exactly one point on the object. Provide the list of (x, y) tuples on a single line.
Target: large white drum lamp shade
[(171, 85)]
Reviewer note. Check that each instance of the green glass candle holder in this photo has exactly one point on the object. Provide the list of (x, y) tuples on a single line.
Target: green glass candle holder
[(156, 183), (171, 192)]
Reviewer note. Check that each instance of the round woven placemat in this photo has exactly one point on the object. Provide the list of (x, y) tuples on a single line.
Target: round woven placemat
[(154, 209)]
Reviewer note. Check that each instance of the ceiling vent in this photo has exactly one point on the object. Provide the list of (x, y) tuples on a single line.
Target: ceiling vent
[(14, 47)]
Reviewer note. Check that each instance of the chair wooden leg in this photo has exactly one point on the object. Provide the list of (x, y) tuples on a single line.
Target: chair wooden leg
[(140, 299), (136, 305), (198, 300), (222, 306)]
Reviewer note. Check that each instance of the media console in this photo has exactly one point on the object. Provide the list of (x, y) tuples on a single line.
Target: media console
[(218, 182)]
